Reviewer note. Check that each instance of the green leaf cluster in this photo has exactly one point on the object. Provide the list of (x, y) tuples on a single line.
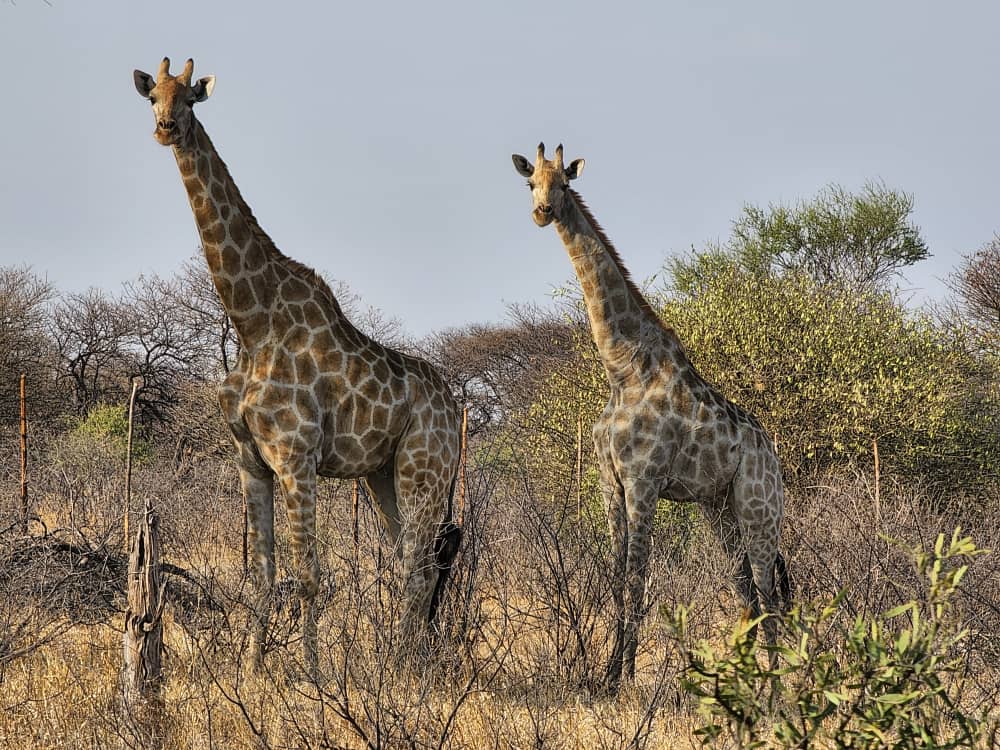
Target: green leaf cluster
[(829, 370), (107, 425), (895, 679), (856, 240)]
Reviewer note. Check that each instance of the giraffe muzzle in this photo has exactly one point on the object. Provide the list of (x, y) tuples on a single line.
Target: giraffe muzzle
[(542, 215)]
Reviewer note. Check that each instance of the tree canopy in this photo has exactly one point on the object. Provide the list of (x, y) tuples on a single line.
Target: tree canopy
[(858, 241)]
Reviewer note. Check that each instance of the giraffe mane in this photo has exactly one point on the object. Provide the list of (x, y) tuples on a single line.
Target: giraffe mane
[(640, 298), (297, 269), (644, 303)]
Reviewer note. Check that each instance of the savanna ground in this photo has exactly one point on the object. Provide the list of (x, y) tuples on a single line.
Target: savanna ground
[(523, 636)]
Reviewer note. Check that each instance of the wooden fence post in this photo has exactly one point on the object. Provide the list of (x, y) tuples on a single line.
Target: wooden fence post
[(354, 514), (461, 466), (24, 458), (579, 466), (142, 675), (128, 457), (246, 532), (878, 493)]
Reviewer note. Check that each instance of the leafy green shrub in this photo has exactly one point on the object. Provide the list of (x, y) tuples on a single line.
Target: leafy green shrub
[(830, 370), (890, 680), (108, 424), (855, 240)]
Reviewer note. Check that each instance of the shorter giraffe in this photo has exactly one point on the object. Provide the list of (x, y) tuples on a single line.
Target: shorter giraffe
[(665, 433)]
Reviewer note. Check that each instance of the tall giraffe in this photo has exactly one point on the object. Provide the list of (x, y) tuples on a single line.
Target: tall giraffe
[(311, 395), (665, 433)]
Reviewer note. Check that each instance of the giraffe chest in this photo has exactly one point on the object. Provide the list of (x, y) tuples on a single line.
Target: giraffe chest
[(346, 417), (691, 455)]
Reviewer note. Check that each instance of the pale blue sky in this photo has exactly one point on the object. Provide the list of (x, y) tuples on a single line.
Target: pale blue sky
[(373, 139)]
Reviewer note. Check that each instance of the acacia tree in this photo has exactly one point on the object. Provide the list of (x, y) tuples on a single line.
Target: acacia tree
[(210, 330), (858, 241), (156, 330), (977, 284), (496, 370), (90, 330), (25, 346), (169, 342)]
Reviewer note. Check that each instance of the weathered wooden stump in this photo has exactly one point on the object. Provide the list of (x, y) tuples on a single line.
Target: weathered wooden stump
[(142, 676)]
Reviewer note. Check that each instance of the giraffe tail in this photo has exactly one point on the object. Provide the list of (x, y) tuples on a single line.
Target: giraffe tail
[(784, 582), (446, 546)]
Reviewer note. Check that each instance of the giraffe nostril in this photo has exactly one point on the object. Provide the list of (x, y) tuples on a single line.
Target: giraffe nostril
[(166, 124), (545, 209)]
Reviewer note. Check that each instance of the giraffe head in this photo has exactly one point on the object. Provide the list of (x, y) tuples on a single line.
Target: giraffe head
[(173, 99), (549, 181)]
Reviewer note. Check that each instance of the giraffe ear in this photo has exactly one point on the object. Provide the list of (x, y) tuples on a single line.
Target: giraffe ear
[(203, 88), (575, 169), (144, 83), (523, 167)]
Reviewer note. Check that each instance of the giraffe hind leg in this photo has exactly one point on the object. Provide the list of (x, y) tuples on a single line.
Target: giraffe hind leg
[(417, 547), (748, 593), (381, 486), (446, 547), (763, 561), (727, 528)]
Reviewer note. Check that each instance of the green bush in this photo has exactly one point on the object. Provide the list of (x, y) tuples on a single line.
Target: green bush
[(890, 680), (830, 370), (108, 424)]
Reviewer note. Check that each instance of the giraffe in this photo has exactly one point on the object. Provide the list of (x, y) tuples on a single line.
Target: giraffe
[(665, 432), (311, 395)]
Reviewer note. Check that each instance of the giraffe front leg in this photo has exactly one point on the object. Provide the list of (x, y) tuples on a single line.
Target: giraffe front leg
[(614, 505), (299, 486), (259, 493), (257, 481), (640, 505)]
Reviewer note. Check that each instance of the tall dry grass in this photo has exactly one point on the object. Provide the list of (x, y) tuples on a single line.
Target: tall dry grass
[(523, 635)]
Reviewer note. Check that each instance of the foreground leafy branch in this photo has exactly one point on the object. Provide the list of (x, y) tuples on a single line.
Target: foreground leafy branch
[(895, 679)]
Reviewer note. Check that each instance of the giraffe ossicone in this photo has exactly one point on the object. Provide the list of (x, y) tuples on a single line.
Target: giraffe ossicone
[(665, 433), (312, 395)]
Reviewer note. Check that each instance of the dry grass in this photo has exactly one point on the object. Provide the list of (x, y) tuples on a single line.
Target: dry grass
[(525, 631)]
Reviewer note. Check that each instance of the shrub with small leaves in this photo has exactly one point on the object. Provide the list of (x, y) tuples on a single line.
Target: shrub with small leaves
[(830, 370), (108, 425), (894, 679)]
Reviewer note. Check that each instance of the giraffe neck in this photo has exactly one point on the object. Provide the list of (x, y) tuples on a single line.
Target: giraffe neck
[(621, 320), (239, 253)]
